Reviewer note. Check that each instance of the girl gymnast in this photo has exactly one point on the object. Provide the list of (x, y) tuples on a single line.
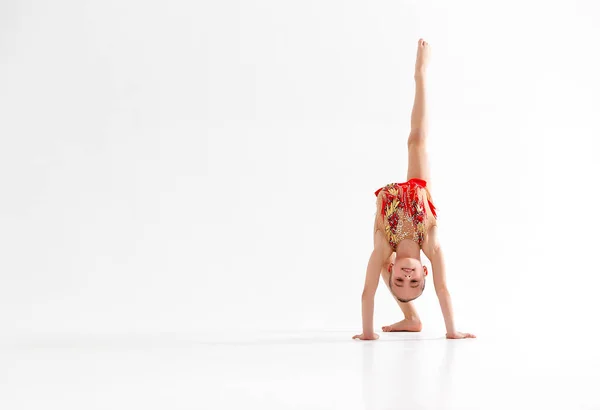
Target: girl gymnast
[(405, 224)]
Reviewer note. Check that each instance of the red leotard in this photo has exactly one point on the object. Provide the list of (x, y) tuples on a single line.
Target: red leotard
[(403, 210)]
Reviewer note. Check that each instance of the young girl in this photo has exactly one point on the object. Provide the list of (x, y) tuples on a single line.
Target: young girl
[(405, 223)]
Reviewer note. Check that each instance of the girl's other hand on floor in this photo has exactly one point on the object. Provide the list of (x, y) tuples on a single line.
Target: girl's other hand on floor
[(362, 336), (460, 335)]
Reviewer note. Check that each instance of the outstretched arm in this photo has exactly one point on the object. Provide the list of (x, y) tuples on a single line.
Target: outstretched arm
[(433, 251), (368, 296), (441, 290), (376, 261)]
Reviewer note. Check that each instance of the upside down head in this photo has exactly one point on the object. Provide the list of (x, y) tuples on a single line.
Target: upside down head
[(407, 279)]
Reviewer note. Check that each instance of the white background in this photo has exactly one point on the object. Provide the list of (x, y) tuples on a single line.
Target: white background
[(191, 166)]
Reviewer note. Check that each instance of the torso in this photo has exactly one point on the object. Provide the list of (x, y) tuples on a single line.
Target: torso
[(407, 213)]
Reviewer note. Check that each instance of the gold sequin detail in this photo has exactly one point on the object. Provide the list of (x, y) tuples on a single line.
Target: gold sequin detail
[(403, 212)]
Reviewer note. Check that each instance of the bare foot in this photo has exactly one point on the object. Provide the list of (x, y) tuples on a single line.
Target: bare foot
[(422, 62), (404, 326)]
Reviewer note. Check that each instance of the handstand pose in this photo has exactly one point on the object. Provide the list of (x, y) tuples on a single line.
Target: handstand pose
[(405, 223)]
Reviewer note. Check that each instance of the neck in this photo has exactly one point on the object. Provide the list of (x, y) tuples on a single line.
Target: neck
[(408, 249)]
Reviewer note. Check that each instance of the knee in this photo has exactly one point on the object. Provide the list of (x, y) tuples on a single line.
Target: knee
[(416, 138)]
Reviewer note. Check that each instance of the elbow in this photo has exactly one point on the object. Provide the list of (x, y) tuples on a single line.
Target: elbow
[(367, 295), (436, 249), (442, 291), (416, 137)]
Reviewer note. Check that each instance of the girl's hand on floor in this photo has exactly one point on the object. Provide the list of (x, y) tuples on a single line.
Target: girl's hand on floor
[(362, 336), (460, 335)]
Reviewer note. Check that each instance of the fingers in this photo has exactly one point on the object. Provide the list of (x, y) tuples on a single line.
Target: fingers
[(362, 337), (461, 336)]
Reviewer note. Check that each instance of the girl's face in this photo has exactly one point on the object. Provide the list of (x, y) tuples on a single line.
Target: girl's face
[(407, 278)]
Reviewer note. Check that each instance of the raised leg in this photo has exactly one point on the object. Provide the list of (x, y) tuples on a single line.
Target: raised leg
[(418, 161)]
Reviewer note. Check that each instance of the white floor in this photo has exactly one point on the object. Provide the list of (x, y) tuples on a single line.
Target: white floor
[(319, 370)]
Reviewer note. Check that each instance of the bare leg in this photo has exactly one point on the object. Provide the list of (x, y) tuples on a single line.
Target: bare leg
[(411, 322), (418, 167), (418, 161)]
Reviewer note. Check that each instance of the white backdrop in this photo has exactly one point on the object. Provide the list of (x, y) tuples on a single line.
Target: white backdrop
[(191, 166)]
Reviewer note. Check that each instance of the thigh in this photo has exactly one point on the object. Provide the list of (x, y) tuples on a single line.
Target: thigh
[(418, 163)]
